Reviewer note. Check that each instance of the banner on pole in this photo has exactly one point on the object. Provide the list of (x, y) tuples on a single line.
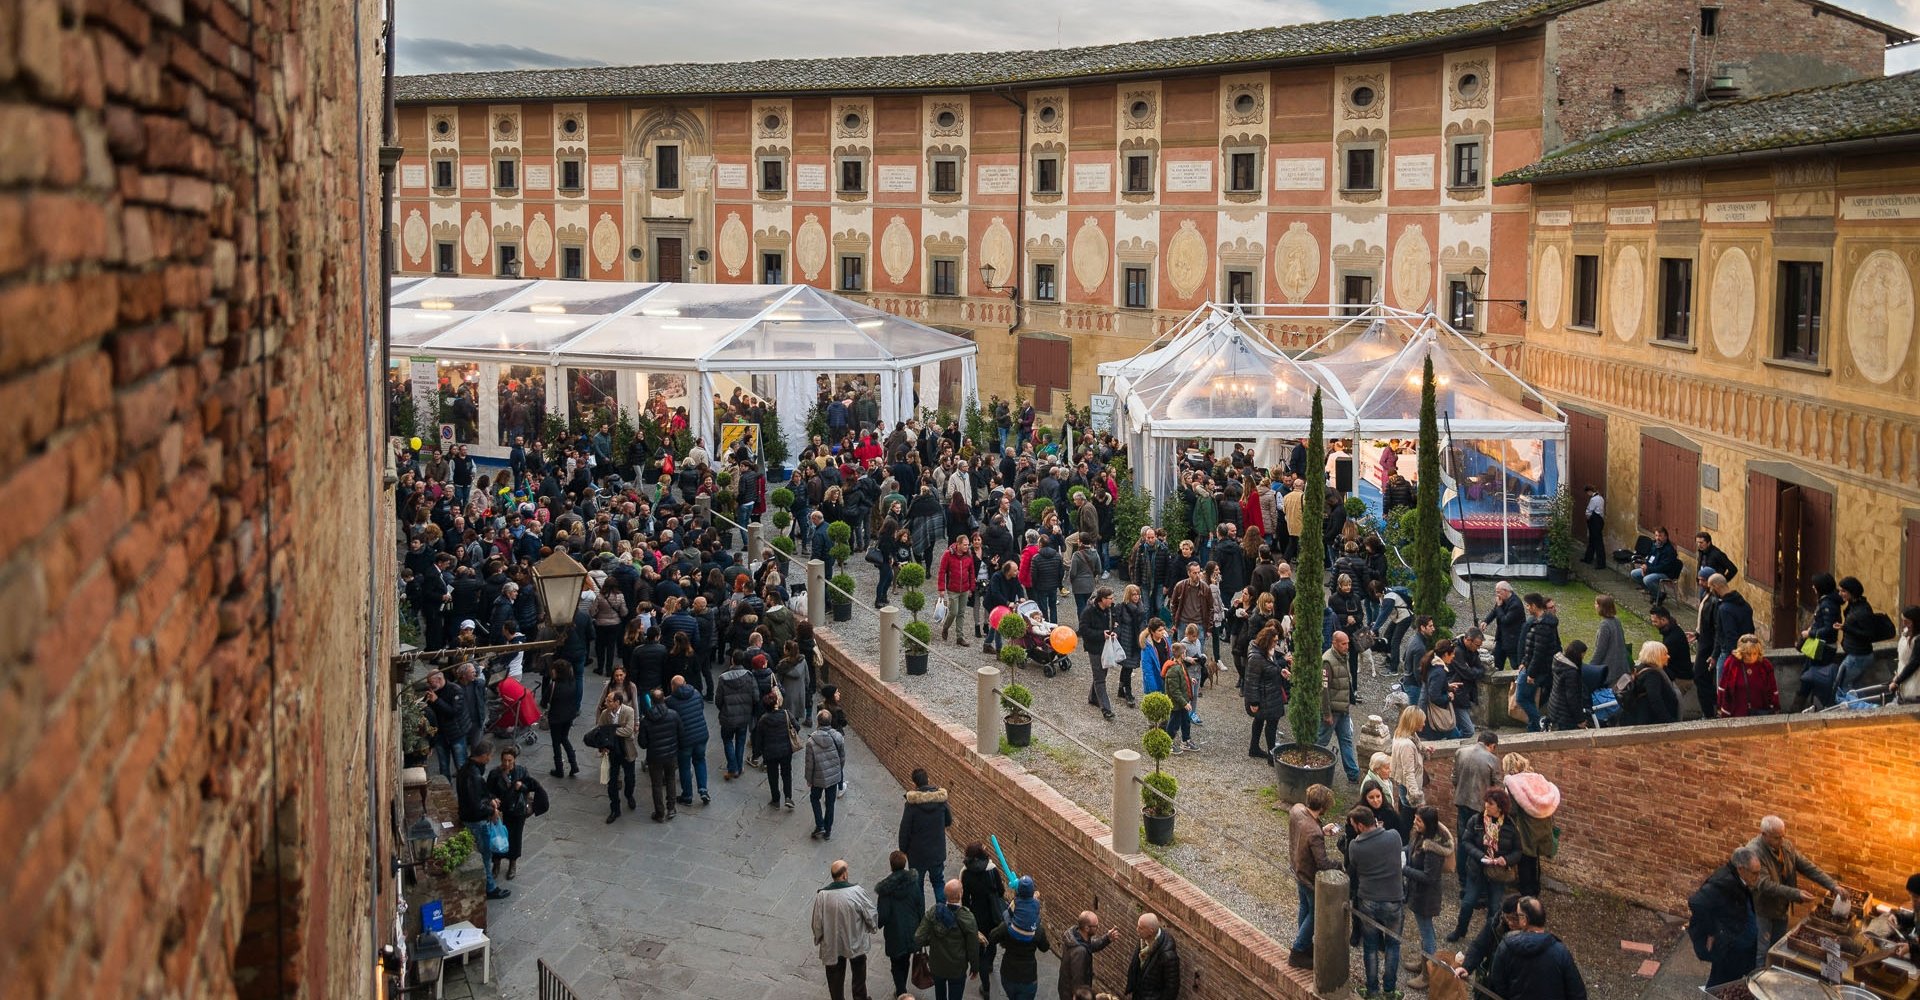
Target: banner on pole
[(736, 436)]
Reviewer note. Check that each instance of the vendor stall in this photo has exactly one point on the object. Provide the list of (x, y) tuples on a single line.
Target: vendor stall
[(486, 359)]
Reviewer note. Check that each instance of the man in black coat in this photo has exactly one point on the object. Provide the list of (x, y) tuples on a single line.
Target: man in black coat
[(1096, 630), (923, 830), (448, 711), (1534, 964), (1154, 972), (478, 809), (659, 732), (1507, 617), (1721, 923)]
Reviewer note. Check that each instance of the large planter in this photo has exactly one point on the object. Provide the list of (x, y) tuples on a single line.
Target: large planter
[(1020, 733), (1159, 829), (916, 664), (842, 610), (1557, 575), (1291, 779)]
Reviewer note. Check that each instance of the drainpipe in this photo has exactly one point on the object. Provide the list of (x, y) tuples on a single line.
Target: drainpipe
[(1020, 212)]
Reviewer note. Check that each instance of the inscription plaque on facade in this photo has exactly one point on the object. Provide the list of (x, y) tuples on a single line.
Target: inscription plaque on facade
[(810, 177), (1190, 175), (539, 178), (1309, 174), (473, 175), (1880, 206), (1093, 178), (606, 177), (1413, 173), (1553, 218), (1737, 211), (1639, 215), (996, 178), (413, 175), (899, 180), (732, 175)]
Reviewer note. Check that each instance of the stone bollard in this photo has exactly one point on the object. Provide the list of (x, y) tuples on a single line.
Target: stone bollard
[(817, 593), (1494, 696), (1126, 833), (1332, 920), (986, 723), (704, 504), (756, 539), (890, 644)]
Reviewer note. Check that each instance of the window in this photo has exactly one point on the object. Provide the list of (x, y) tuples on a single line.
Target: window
[(572, 263), (773, 269), (570, 175), (443, 259), (773, 175), (1046, 175), (1466, 164), (1356, 292), (1676, 300), (666, 168), (509, 260), (946, 176), (945, 277), (1043, 283), (1240, 286), (1360, 175), (1800, 311), (505, 174), (853, 273), (1136, 287), (1462, 310), (1709, 22), (1586, 290), (853, 176), (1139, 173), (1243, 171), (443, 173)]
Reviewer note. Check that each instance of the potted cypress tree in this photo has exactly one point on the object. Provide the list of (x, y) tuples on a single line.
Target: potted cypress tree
[(1560, 537), (1016, 699), (911, 576), (1156, 815), (1304, 761), (1432, 552)]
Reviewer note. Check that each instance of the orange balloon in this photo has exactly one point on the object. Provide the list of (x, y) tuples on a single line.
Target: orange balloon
[(1064, 640)]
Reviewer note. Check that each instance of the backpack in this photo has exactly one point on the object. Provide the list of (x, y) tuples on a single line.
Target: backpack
[(1881, 627)]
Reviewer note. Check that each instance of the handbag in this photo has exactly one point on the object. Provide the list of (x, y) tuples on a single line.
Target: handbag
[(922, 971), (1502, 874), (875, 558), (793, 735), (1816, 649), (1441, 718), (1513, 702)]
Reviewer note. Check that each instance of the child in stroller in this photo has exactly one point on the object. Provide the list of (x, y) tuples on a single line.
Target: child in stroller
[(519, 712), (1039, 640)]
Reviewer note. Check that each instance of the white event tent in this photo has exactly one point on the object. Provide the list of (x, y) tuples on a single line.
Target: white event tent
[(628, 343)]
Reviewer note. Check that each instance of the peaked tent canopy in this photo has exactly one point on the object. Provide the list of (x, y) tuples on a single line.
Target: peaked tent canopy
[(792, 332)]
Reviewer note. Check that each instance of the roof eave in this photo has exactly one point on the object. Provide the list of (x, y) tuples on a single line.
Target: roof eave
[(1879, 143)]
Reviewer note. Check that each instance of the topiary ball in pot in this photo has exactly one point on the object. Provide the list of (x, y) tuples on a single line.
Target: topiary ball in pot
[(1166, 785), (1157, 744), (910, 575), (782, 520), (1012, 628), (921, 635), (914, 601), (782, 498), (1157, 707)]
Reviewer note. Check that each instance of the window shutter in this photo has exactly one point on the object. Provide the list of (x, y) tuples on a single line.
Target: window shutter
[(1816, 533), (1763, 515), (1910, 576), (1649, 491), (1683, 505)]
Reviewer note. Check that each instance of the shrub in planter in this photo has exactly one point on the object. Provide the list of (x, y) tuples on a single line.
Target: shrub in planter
[(1155, 812), (1014, 656), (910, 575), (915, 602), (451, 853), (1037, 509), (842, 588), (1013, 628), (839, 532), (919, 640), (1016, 699), (723, 478), (781, 498), (784, 543), (1157, 707), (1157, 744), (781, 519), (1560, 535), (1356, 508)]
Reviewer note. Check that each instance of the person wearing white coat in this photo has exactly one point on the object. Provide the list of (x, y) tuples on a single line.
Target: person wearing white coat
[(845, 916)]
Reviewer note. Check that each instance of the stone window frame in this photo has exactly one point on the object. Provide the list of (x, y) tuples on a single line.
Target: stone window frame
[(511, 161), (933, 276), (561, 261), (1447, 281), (1142, 148), (1052, 283), (680, 166), (840, 162), (501, 252), (571, 190), (1596, 253), (761, 254), (452, 163), (1340, 276), (1052, 252), (760, 161), (934, 180), (1124, 287), (1377, 146), (957, 155), (1050, 150), (1454, 187), (1656, 335), (1776, 304), (840, 271), (1252, 274), (452, 250), (1245, 146)]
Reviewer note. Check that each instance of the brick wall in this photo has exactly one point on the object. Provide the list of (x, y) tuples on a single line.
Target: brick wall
[(1647, 813), (1585, 46), (183, 778), (1067, 850)]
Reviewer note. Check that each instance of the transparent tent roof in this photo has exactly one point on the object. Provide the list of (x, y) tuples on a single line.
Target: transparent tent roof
[(1389, 396), (1229, 373), (659, 326)]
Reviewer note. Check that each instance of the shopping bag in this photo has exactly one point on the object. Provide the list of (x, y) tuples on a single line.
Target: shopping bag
[(497, 837), (940, 612), (1110, 655), (606, 769)]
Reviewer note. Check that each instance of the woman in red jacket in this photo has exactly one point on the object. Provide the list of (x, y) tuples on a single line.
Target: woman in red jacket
[(1747, 685)]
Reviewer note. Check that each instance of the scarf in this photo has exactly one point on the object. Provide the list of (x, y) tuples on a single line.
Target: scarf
[(1492, 839), (944, 914)]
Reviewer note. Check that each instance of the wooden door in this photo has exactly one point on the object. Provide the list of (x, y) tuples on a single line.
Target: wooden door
[(1910, 566), (1787, 580), (669, 261), (1587, 465), (1816, 542)]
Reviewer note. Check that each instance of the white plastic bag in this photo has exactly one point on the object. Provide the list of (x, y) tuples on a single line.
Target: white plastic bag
[(940, 612), (1110, 655), (606, 769)]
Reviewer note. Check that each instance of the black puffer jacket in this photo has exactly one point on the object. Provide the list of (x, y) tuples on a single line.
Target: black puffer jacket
[(659, 733), (1535, 965), (1542, 645), (1048, 570), (735, 700)]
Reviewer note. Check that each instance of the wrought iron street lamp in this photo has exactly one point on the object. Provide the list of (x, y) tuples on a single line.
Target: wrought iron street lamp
[(560, 580), (987, 274), (1477, 283)]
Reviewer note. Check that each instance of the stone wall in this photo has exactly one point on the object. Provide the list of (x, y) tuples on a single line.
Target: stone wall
[(184, 589), (1067, 850), (1648, 812)]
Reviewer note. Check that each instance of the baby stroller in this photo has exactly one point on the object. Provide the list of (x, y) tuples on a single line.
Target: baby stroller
[(1039, 640), (519, 712)]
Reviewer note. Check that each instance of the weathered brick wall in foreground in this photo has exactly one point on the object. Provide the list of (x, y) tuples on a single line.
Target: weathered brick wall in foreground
[(1647, 813), (1067, 850), (183, 781)]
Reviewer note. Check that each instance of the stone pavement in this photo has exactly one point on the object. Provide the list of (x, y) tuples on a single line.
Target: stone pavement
[(714, 905)]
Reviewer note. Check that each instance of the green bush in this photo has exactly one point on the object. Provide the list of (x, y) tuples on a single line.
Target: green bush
[(1560, 530), (1016, 699), (840, 552), (453, 852), (1037, 509), (723, 478), (1157, 707), (840, 531), (1074, 492), (1012, 627), (844, 585), (1014, 655), (1166, 786), (1177, 518), (782, 519), (1310, 607), (1356, 508), (910, 575), (1132, 510), (784, 543), (921, 633), (1432, 552), (915, 602), (1158, 745), (781, 498), (773, 445)]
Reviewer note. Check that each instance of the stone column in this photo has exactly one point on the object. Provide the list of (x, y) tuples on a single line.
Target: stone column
[(889, 644), (1332, 919), (817, 592), (986, 723), (1126, 833), (756, 538)]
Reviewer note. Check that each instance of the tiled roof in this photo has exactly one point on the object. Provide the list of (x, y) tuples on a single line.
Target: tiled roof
[(1864, 109), (984, 69)]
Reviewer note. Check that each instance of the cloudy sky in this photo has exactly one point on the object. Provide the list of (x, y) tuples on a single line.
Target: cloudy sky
[(461, 35)]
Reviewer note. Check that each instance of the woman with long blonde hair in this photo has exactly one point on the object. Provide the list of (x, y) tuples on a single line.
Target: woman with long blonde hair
[(1410, 757)]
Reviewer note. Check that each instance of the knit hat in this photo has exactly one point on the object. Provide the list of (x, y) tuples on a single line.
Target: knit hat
[(1024, 921)]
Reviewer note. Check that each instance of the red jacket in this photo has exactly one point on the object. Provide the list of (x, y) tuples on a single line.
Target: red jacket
[(1748, 688), (956, 572), (1026, 565)]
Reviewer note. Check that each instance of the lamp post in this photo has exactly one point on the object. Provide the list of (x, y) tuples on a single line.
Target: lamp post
[(1477, 283), (560, 580), (429, 957), (987, 272)]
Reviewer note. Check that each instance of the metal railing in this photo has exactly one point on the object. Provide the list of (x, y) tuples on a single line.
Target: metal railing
[(552, 987)]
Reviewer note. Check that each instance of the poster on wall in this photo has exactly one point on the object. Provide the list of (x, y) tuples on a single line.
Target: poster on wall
[(735, 436), (424, 380), (669, 387)]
